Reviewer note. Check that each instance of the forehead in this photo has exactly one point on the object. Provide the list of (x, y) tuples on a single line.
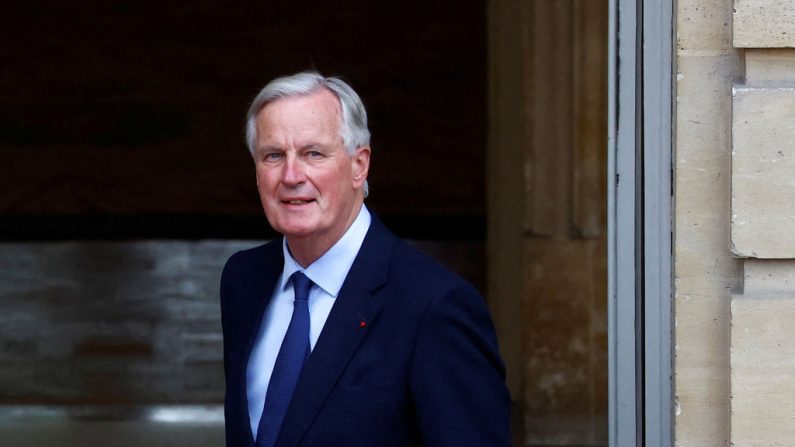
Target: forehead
[(319, 110)]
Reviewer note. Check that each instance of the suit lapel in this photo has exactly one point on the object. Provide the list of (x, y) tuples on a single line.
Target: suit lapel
[(341, 334)]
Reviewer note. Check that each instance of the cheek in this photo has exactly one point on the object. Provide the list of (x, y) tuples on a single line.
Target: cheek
[(335, 187), (264, 179), (267, 193)]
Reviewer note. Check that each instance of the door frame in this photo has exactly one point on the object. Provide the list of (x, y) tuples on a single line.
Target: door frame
[(640, 212)]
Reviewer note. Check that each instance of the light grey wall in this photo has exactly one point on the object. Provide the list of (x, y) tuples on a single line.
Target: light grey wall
[(112, 322)]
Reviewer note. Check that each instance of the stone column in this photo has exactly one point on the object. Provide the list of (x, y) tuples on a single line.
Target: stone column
[(763, 225)]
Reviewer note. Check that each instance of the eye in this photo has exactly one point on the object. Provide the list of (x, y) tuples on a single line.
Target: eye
[(314, 154), (272, 156)]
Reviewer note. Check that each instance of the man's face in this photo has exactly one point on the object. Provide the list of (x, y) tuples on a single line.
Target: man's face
[(310, 188)]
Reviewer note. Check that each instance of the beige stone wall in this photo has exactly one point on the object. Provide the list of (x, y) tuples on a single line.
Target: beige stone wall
[(764, 23), (763, 166), (762, 355), (734, 223), (763, 226), (705, 270)]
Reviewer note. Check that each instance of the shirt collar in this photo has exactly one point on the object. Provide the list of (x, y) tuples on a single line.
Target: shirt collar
[(330, 270)]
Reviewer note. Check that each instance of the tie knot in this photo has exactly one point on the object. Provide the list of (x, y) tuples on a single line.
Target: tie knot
[(301, 286)]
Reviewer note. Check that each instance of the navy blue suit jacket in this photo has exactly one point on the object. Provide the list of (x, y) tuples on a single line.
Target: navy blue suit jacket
[(423, 369)]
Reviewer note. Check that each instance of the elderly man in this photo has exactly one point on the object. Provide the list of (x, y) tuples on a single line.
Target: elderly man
[(340, 334)]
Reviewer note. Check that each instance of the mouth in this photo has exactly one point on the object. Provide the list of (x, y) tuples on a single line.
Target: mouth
[(297, 201)]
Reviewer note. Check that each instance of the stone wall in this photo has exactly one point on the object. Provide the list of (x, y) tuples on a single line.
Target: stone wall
[(111, 323), (705, 272), (763, 225), (733, 223)]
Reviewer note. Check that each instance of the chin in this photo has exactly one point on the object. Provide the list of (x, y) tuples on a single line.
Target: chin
[(294, 231), (296, 234), (289, 225)]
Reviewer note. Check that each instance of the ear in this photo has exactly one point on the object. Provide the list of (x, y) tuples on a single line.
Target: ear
[(360, 161)]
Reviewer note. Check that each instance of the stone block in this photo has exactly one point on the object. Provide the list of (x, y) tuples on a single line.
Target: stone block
[(762, 370), (768, 66), (768, 276), (703, 25), (701, 353), (704, 268), (703, 108), (704, 265), (763, 169), (764, 23)]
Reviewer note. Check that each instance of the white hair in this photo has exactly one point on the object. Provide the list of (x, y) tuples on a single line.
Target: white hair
[(353, 128)]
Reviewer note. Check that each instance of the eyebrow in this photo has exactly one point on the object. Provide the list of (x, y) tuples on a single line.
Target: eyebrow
[(313, 146), (310, 145)]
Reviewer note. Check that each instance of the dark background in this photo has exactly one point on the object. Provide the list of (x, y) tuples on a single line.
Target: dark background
[(124, 119), (125, 180)]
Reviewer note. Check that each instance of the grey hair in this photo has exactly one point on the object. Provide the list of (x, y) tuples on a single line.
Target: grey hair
[(353, 127)]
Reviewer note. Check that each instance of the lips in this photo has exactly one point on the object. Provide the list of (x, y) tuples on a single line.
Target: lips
[(297, 201)]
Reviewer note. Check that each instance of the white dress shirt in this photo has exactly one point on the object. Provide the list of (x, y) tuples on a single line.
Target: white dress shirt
[(327, 274)]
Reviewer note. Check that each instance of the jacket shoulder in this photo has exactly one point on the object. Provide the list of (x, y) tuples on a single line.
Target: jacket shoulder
[(416, 269), (254, 257)]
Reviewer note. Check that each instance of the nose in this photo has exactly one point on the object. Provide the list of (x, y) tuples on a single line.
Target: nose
[(293, 171)]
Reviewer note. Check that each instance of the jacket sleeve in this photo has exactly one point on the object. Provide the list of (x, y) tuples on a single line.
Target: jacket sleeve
[(237, 433), (226, 296), (457, 376)]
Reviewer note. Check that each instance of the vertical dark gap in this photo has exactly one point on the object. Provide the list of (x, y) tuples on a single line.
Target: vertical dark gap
[(640, 266)]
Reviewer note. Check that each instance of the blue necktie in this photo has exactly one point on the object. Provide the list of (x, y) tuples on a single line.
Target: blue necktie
[(289, 362)]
